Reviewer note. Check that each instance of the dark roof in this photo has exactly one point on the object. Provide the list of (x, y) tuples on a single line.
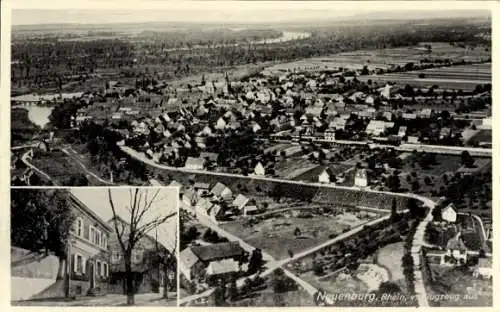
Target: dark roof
[(218, 251)]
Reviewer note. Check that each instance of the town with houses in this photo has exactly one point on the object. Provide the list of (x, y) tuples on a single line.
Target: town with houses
[(362, 178)]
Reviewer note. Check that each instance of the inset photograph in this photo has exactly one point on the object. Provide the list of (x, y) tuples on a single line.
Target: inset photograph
[(94, 246)]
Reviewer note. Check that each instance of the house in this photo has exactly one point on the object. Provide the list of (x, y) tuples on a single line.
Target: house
[(220, 124), (240, 202), (221, 191), (250, 209), (402, 131), (483, 268), (361, 178), (339, 123), (313, 111), (190, 266), (449, 213), (256, 127), (259, 169), (426, 113), (386, 92), (222, 269), (194, 163), (201, 186), (149, 275), (377, 127), (324, 176), (413, 140), (444, 133), (195, 260), (457, 249), (387, 115), (370, 100), (89, 253), (329, 135), (409, 116)]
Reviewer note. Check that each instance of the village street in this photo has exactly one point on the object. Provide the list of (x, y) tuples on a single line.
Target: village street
[(150, 299)]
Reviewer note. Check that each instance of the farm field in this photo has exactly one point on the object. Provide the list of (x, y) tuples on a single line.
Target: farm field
[(383, 58), (276, 234), (411, 171), (291, 168)]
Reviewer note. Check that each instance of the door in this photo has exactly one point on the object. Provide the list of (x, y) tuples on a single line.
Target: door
[(91, 275)]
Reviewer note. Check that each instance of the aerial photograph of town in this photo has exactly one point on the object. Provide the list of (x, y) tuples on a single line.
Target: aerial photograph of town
[(94, 246), (324, 155)]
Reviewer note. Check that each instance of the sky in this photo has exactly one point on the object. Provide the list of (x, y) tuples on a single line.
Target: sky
[(165, 203), (29, 12)]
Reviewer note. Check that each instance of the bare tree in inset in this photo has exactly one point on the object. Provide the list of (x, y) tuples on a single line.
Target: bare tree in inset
[(136, 228)]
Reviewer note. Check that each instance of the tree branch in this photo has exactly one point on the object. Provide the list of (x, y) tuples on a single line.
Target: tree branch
[(115, 221), (147, 227), (147, 206)]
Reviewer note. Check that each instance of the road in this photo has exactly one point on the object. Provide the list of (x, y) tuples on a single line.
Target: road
[(25, 159), (141, 157), (417, 244), (272, 264), (151, 299)]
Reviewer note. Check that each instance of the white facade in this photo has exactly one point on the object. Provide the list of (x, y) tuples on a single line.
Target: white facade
[(259, 169), (324, 177), (361, 178), (449, 214)]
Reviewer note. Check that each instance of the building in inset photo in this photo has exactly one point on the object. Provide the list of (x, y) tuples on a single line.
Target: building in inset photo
[(94, 246)]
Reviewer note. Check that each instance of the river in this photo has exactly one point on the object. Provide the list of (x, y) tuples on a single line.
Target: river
[(39, 115), (285, 36)]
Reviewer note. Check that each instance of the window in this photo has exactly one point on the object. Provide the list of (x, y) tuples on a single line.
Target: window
[(99, 268), (86, 231), (98, 238), (137, 256), (79, 227), (116, 256), (92, 234), (78, 264), (104, 269), (104, 241)]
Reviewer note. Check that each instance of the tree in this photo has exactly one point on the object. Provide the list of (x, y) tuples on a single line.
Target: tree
[(415, 186), (389, 288), (256, 261), (393, 182), (279, 287), (41, 220), (317, 268), (233, 290), (130, 232), (394, 211), (467, 159)]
